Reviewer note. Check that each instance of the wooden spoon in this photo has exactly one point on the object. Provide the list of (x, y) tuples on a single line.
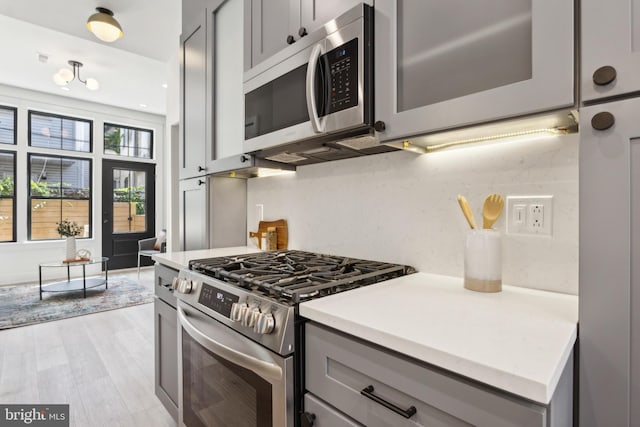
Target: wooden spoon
[(493, 205), (466, 210)]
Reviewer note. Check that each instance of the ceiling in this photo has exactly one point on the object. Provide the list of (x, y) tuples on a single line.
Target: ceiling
[(131, 71)]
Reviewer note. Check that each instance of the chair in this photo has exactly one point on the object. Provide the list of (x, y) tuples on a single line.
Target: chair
[(152, 246)]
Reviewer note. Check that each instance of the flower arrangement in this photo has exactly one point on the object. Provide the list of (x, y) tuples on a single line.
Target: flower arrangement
[(68, 228)]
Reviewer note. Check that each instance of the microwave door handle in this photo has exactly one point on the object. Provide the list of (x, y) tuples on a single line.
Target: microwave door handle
[(316, 122), (263, 368)]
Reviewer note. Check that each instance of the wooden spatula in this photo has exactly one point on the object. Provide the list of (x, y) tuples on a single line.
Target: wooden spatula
[(493, 205), (466, 210)]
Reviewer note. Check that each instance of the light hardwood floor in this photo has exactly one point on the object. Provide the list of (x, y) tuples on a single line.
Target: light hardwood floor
[(101, 364)]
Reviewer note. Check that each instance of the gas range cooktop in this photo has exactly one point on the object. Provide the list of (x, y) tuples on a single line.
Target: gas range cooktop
[(290, 276)]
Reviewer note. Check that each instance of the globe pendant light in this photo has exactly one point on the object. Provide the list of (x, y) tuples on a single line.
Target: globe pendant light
[(104, 25)]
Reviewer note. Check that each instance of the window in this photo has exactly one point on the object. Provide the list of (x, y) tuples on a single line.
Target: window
[(7, 196), (59, 132), (60, 188), (128, 141), (7, 125)]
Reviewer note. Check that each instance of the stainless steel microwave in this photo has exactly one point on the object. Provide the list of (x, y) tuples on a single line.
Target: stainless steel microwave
[(318, 89)]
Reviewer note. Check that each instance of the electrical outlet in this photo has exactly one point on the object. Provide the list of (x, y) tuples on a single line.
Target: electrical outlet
[(529, 215)]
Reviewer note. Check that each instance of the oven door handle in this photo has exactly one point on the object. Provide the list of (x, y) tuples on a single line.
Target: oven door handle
[(263, 368), (317, 123)]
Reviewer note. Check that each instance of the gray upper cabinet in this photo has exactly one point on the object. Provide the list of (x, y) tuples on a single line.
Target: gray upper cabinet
[(610, 265), (610, 48), (274, 24), (225, 25), (194, 214), (441, 65), (193, 94)]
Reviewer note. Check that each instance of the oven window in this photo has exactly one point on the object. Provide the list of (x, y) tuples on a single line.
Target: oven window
[(218, 393)]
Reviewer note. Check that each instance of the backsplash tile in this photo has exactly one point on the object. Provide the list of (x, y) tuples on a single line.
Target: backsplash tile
[(402, 208)]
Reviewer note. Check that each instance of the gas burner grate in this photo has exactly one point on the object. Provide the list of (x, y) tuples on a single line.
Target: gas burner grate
[(295, 276)]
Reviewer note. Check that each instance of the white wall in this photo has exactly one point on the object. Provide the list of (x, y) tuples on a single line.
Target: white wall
[(171, 167), (19, 260), (400, 207)]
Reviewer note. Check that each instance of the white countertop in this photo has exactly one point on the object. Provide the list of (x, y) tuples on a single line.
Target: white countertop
[(180, 260), (518, 340)]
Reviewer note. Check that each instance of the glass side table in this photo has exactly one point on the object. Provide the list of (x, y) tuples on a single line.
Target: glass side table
[(75, 284)]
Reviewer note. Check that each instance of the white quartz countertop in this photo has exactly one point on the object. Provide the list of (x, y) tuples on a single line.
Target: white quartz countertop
[(518, 340), (180, 260)]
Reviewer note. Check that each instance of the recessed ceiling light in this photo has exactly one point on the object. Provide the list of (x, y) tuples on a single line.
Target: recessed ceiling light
[(164, 85), (143, 105), (64, 88)]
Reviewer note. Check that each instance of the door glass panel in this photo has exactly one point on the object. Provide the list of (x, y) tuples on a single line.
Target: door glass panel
[(464, 47), (218, 393), (129, 201)]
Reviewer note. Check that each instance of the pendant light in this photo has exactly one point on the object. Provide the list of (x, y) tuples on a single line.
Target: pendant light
[(104, 25), (65, 75)]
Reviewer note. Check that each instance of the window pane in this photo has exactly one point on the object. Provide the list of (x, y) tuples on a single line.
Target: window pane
[(7, 174), (60, 189), (7, 196), (129, 201), (7, 125), (49, 131), (6, 220), (127, 141)]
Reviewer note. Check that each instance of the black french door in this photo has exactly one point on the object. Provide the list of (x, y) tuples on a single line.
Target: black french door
[(128, 210)]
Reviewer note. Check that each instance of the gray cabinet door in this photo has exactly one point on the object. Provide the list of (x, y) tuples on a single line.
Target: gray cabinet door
[(272, 21), (166, 356), (610, 37), (610, 267), (194, 214), (314, 14), (193, 100), (441, 65), (226, 109)]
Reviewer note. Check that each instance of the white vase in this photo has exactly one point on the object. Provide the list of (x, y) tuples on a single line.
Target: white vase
[(71, 248)]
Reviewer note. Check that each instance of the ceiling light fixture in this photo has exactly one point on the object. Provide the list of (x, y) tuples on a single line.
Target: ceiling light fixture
[(65, 75), (104, 25)]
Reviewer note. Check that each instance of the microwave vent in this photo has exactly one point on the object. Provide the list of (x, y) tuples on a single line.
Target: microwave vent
[(286, 158)]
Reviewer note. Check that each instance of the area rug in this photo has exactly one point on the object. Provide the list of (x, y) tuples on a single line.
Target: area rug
[(20, 305)]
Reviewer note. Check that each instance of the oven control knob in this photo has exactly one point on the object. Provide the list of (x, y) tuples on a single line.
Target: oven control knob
[(175, 282), (250, 316), (265, 323), (237, 311), (184, 286)]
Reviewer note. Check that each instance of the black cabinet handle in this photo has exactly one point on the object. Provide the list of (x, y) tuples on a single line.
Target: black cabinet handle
[(200, 182), (380, 126), (244, 158), (307, 419), (604, 75), (407, 413), (290, 39), (302, 32), (200, 169), (603, 121)]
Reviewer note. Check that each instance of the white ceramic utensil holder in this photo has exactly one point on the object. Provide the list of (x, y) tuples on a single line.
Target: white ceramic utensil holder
[(483, 260)]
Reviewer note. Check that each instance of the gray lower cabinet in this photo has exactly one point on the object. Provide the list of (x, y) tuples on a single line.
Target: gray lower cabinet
[(325, 415), (166, 344), (368, 385), (610, 264)]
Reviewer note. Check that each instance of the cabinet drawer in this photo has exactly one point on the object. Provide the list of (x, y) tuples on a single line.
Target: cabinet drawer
[(339, 368), (326, 416), (164, 291)]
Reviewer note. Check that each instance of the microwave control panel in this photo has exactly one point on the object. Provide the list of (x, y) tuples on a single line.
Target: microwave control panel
[(342, 64)]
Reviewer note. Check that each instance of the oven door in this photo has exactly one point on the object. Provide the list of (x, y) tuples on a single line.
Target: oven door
[(227, 379)]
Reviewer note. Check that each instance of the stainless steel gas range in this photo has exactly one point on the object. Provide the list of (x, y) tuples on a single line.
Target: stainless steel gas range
[(240, 336)]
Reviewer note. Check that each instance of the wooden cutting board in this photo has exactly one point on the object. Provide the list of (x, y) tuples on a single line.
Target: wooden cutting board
[(281, 229)]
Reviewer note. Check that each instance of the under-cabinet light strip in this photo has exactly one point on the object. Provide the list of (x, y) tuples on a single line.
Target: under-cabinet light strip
[(548, 131)]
